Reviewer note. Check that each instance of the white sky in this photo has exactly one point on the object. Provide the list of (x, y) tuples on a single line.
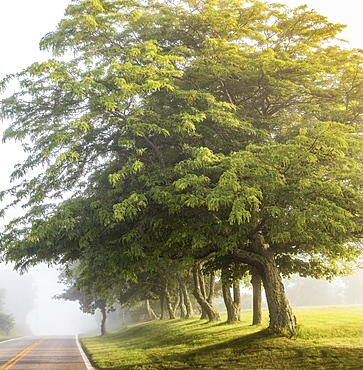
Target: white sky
[(348, 12), (24, 22)]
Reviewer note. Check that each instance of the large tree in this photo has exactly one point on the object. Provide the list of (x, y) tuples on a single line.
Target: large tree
[(192, 129)]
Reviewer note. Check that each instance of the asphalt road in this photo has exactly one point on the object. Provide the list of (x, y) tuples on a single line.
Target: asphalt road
[(42, 353)]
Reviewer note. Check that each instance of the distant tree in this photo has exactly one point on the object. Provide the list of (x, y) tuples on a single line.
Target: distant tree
[(7, 322), (88, 302)]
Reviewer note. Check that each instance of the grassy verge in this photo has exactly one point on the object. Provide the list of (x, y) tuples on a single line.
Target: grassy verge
[(328, 338)]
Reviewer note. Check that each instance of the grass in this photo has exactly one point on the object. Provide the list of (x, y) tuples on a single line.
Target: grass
[(327, 338), (2, 338)]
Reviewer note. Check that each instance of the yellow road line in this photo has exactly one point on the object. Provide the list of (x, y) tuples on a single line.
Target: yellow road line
[(19, 356)]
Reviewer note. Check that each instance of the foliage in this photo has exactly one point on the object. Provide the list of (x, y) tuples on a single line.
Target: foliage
[(187, 130), (7, 322), (88, 302)]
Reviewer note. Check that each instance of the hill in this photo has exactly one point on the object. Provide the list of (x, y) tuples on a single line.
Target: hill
[(327, 338)]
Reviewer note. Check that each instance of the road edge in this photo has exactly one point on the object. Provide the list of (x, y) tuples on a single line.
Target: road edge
[(84, 356), (10, 340)]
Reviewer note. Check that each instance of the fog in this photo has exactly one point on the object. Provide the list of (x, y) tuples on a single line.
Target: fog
[(312, 292), (29, 299)]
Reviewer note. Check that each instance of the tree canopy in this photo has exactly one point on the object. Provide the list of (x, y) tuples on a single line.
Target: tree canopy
[(190, 129)]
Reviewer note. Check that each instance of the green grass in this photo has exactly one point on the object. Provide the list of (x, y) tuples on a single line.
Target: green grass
[(327, 338)]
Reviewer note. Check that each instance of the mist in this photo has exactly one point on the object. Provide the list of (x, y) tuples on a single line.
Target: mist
[(312, 292), (29, 299)]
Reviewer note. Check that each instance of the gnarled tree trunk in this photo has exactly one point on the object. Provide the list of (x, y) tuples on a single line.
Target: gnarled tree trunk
[(260, 256), (183, 311), (233, 304), (187, 301), (210, 311), (150, 312), (177, 304), (281, 315), (168, 303)]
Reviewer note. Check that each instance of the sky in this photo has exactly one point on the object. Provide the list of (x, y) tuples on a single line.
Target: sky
[(22, 24), (348, 12)]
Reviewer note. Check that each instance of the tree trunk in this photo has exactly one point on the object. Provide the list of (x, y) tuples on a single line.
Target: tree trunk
[(168, 303), (162, 306), (282, 318), (212, 285), (187, 301), (211, 312), (177, 304), (237, 298), (203, 288), (281, 315), (233, 305), (257, 296), (150, 312), (201, 278), (183, 311), (103, 321)]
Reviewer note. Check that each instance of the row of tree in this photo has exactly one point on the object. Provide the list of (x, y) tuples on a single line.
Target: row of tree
[(169, 287), (189, 133)]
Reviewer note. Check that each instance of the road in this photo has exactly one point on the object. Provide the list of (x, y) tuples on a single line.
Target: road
[(42, 353)]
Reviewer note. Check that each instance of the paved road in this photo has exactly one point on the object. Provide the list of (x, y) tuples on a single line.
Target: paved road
[(42, 353)]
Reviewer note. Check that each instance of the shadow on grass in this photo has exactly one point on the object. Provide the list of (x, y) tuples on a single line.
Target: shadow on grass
[(175, 348), (263, 351)]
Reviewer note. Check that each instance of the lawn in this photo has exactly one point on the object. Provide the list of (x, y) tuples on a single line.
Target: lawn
[(327, 338)]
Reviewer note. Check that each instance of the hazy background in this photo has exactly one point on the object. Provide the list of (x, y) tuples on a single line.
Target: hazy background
[(28, 297)]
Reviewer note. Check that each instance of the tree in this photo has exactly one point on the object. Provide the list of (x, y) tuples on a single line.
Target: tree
[(204, 297), (207, 128), (7, 322), (88, 302)]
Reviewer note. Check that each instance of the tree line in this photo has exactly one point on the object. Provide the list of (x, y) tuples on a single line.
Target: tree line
[(189, 137), (7, 321)]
